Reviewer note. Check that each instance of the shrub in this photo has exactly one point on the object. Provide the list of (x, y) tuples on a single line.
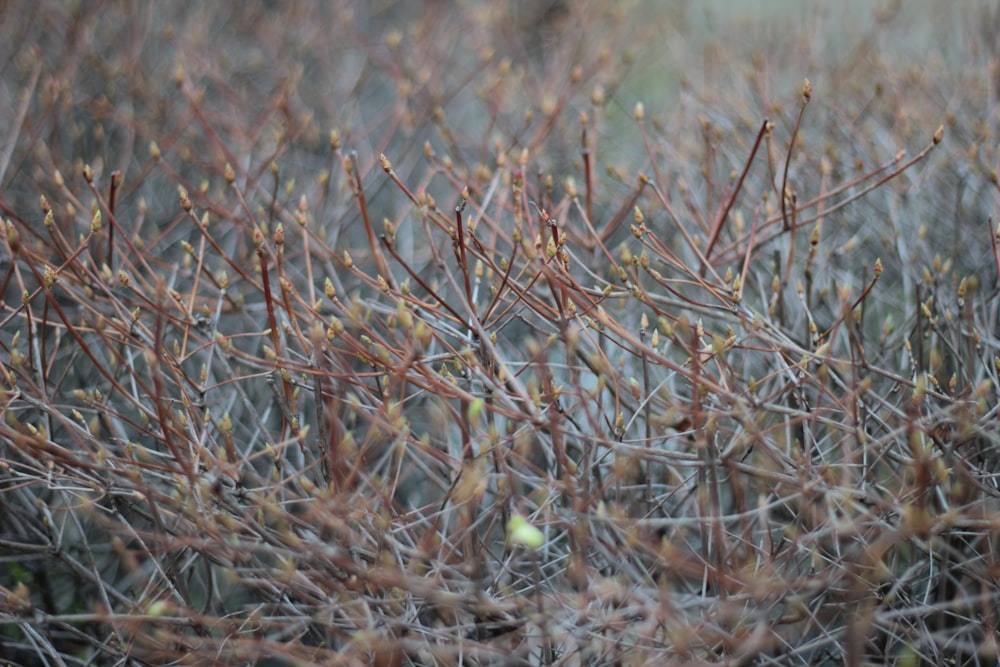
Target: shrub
[(374, 333)]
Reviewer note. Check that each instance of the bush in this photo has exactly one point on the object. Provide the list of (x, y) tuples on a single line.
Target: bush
[(489, 333)]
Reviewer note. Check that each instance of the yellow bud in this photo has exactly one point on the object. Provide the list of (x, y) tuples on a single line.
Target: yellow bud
[(522, 533)]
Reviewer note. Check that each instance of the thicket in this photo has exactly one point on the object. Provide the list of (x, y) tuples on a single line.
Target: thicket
[(492, 333)]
